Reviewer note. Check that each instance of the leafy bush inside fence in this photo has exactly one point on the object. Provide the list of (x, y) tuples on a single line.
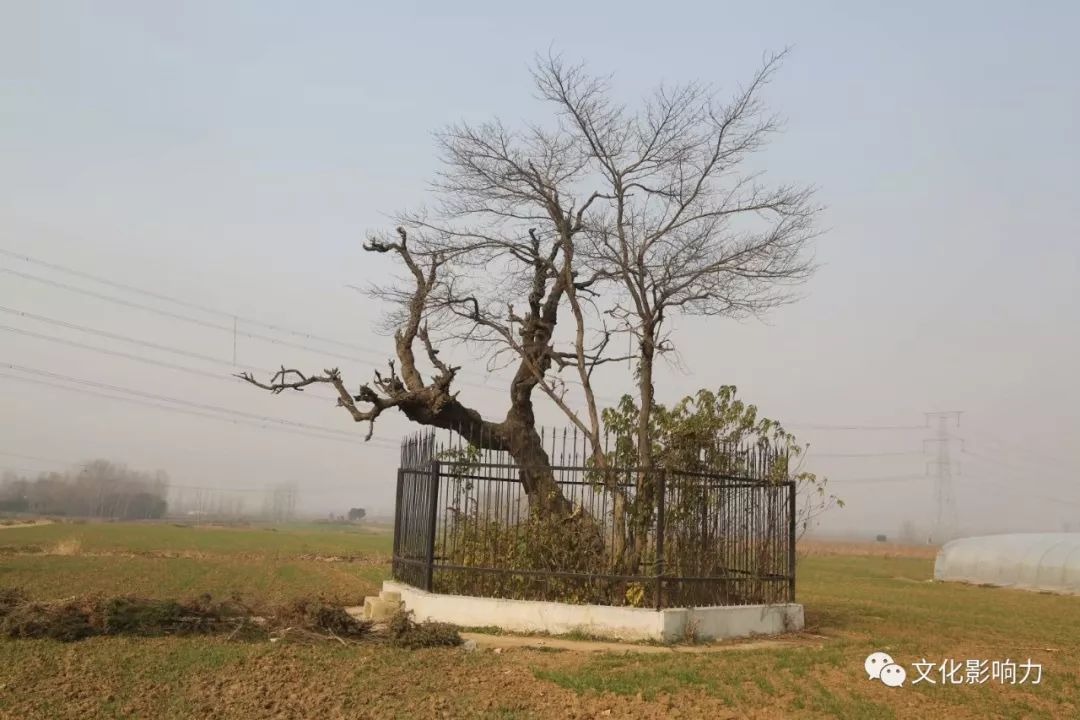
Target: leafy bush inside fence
[(572, 546), (721, 477), (565, 560)]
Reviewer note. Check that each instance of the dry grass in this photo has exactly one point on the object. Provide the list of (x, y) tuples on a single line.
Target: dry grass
[(67, 548), (819, 548), (858, 599), (309, 620), (10, 523), (164, 561)]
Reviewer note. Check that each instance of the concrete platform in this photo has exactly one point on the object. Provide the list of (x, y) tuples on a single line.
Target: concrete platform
[(500, 643), (621, 623), (383, 607)]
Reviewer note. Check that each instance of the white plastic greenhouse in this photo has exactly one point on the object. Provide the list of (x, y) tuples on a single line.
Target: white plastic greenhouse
[(1042, 561)]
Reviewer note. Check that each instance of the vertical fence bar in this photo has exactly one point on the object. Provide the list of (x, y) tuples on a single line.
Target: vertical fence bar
[(725, 527), (791, 541), (433, 515), (660, 503), (398, 510)]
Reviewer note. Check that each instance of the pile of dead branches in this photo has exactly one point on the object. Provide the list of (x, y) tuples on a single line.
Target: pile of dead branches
[(314, 620), (307, 620), (402, 631), (76, 618)]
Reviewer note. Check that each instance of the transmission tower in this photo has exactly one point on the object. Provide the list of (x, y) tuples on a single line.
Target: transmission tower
[(945, 519), (279, 502)]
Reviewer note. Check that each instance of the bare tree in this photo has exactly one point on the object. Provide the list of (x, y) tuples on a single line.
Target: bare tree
[(620, 217), (433, 402), (680, 224), (99, 488), (489, 267)]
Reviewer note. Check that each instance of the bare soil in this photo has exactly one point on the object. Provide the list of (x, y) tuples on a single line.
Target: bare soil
[(859, 598)]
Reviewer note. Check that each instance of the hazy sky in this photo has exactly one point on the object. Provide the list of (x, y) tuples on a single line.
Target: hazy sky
[(235, 155)]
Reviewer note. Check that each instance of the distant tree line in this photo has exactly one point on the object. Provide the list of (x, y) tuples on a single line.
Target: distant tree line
[(99, 489)]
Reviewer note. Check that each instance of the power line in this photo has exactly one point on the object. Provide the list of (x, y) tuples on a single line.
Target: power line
[(812, 454), (186, 318), (136, 341), (979, 457), (375, 355), (1059, 464), (180, 302), (125, 338), (37, 457), (177, 401), (174, 486), (995, 470), (281, 329), (139, 358), (175, 350), (231, 379), (1025, 493), (378, 443), (17, 469), (871, 480), (814, 426), (1008, 445)]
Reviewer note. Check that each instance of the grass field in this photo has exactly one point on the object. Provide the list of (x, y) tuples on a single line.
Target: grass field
[(168, 561), (858, 600)]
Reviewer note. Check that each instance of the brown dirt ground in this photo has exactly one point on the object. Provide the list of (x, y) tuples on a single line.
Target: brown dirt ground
[(296, 682), (293, 682), (211, 678)]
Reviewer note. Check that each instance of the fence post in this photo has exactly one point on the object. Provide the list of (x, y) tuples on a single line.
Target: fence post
[(660, 502), (791, 541), (433, 503), (397, 524)]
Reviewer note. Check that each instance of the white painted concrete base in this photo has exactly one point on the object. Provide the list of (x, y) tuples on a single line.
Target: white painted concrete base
[(624, 623)]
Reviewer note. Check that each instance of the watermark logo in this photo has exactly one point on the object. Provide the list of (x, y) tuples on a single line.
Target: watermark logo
[(881, 666), (893, 675), (875, 662)]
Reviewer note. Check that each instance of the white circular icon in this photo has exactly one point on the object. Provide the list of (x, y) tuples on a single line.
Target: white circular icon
[(875, 662), (893, 675)]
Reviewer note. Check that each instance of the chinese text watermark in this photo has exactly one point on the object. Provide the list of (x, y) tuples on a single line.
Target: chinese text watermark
[(881, 666)]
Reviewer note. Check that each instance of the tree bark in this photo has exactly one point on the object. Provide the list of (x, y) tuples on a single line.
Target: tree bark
[(645, 497), (646, 391), (516, 435)]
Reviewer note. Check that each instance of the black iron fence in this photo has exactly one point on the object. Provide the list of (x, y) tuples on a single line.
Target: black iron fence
[(662, 538)]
